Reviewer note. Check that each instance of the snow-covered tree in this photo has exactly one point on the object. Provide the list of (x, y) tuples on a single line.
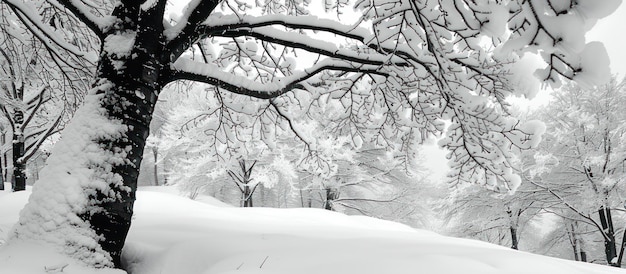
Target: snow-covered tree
[(502, 219), (426, 62), (581, 162), (322, 169), (32, 97)]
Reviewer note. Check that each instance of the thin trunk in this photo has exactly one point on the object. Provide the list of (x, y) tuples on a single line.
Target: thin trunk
[(19, 176), (155, 153), (247, 196), (583, 253), (1, 173), (514, 241), (577, 244), (19, 183), (573, 240), (513, 220), (606, 221), (2, 159), (331, 195), (243, 183), (621, 251), (5, 168)]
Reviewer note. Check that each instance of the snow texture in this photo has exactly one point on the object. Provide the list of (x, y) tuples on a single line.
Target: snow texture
[(70, 176), (172, 234)]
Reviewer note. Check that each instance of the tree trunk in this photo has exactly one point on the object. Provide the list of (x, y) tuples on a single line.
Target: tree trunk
[(131, 100), (606, 221), (19, 173), (93, 169), (514, 241), (1, 172), (5, 167), (247, 196), (513, 221), (577, 244), (155, 153), (331, 195), (581, 250), (621, 251)]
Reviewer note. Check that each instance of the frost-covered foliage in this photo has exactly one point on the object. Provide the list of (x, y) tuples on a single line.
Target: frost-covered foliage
[(442, 60), (581, 163), (509, 220), (297, 165), (35, 100), (64, 62), (573, 186)]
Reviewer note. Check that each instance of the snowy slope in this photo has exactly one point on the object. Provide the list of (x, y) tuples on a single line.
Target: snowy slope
[(172, 234)]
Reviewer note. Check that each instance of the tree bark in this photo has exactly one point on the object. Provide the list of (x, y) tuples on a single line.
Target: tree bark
[(19, 173), (131, 101), (514, 241), (606, 220), (155, 152), (247, 196), (96, 179), (1, 172), (331, 195), (621, 251)]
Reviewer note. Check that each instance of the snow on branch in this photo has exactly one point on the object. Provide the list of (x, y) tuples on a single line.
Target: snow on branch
[(307, 43), (45, 33), (184, 33), (263, 28), (231, 22), (96, 24), (187, 69)]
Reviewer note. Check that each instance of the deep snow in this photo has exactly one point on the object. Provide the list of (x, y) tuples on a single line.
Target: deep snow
[(172, 234)]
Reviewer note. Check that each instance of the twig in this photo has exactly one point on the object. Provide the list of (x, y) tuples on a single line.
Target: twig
[(261, 266)]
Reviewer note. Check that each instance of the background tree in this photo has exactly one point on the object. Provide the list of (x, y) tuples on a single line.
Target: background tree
[(581, 161), (502, 219), (358, 180), (417, 79), (32, 97)]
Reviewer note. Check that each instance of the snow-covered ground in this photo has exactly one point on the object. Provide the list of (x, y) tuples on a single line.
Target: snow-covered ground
[(172, 234)]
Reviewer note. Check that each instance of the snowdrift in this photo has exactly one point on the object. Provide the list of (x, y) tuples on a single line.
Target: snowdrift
[(172, 234)]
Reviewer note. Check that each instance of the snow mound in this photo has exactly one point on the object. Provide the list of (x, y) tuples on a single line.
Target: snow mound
[(175, 190), (173, 234)]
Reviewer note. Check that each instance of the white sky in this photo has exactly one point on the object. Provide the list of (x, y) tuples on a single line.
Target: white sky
[(610, 31)]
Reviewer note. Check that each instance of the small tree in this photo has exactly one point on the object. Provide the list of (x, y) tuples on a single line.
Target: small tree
[(244, 182)]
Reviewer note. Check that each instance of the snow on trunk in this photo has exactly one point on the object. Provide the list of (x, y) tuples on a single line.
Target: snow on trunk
[(83, 203), (78, 168)]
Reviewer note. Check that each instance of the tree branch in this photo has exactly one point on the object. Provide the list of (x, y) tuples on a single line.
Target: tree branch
[(185, 69), (43, 32), (184, 33), (39, 102), (81, 11), (35, 146), (305, 42)]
